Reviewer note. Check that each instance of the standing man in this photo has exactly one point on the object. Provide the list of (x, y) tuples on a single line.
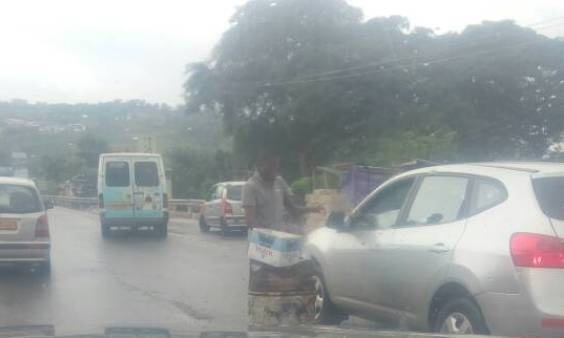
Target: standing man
[(267, 197)]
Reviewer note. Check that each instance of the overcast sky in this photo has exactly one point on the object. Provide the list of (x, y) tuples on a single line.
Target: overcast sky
[(101, 50)]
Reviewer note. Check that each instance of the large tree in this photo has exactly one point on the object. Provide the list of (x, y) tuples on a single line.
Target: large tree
[(258, 74), (312, 78)]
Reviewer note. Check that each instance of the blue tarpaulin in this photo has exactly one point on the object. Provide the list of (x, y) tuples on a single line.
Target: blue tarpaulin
[(358, 182)]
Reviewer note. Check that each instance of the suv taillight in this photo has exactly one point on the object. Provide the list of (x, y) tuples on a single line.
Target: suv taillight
[(226, 208), (537, 251), (42, 227)]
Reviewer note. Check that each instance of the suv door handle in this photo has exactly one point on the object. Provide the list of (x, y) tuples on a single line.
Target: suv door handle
[(439, 248)]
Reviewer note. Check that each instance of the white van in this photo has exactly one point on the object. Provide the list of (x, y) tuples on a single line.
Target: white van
[(132, 192)]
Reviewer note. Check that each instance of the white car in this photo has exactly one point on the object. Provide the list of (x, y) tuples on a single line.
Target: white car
[(224, 209), (24, 227)]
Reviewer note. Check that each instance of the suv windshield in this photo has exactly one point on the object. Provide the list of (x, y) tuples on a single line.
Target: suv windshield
[(15, 199)]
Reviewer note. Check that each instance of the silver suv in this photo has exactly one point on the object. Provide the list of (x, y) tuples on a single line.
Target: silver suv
[(473, 248)]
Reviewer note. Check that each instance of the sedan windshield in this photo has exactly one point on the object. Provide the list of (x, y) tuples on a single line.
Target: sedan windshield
[(235, 192)]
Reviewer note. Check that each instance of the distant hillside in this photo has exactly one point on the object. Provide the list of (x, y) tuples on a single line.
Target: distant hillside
[(42, 128)]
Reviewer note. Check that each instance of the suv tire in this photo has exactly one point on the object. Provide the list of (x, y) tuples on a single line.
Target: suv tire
[(460, 316)]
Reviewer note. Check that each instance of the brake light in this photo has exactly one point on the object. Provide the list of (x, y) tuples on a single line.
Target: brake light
[(537, 251), (553, 323), (226, 208), (42, 227), (165, 200)]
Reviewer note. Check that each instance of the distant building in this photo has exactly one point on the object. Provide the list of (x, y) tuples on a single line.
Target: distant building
[(77, 127)]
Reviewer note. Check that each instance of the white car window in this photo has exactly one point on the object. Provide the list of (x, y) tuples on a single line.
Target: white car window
[(486, 195), (383, 210), (438, 200)]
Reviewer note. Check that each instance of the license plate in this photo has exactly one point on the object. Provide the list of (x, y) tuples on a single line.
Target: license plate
[(8, 224)]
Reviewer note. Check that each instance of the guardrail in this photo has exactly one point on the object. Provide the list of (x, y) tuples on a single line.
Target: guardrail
[(183, 208), (80, 203)]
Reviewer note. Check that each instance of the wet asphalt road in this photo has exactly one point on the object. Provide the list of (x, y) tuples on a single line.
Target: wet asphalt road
[(186, 282)]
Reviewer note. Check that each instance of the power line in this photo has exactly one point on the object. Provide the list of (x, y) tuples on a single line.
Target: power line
[(422, 63), (393, 60), (326, 76)]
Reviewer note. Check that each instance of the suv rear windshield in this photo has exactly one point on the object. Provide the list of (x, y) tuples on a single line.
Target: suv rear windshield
[(16, 199), (234, 192), (550, 195)]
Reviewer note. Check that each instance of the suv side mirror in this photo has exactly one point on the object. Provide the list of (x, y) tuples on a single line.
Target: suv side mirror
[(336, 220)]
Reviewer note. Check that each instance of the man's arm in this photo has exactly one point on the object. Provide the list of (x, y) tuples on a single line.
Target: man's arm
[(299, 210), (250, 216), (249, 204), (296, 210)]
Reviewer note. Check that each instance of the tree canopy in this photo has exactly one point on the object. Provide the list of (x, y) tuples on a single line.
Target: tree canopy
[(320, 83)]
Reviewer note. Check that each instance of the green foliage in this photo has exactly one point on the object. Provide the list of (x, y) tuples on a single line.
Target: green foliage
[(89, 148), (302, 186), (403, 146), (56, 168), (195, 171), (267, 43), (57, 153), (316, 81)]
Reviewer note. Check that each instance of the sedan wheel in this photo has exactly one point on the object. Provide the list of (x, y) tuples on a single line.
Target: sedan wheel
[(457, 323)]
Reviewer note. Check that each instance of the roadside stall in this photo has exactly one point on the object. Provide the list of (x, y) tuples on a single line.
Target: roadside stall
[(280, 284), (281, 287)]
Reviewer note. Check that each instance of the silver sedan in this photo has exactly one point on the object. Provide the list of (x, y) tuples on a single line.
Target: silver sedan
[(24, 226)]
